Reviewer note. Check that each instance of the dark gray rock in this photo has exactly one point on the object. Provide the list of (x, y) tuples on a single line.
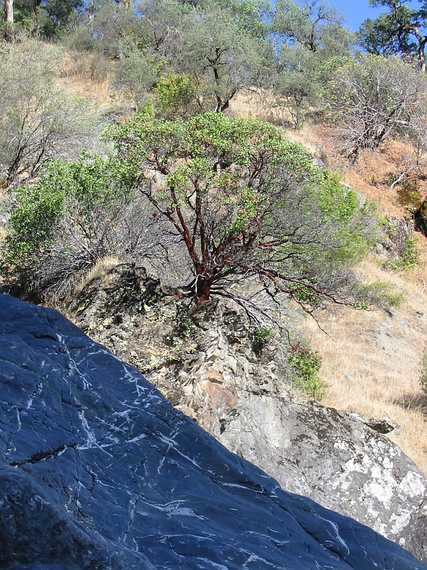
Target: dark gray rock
[(98, 471), (247, 403)]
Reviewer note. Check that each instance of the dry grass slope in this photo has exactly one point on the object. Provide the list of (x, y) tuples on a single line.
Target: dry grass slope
[(371, 360)]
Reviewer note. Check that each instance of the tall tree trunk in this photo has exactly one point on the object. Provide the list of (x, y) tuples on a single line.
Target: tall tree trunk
[(8, 12), (8, 18)]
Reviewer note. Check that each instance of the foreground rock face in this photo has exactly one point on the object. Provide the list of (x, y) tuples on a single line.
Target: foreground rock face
[(98, 471), (246, 402)]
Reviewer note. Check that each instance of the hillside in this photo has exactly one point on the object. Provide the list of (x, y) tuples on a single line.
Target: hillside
[(213, 285), (371, 360)]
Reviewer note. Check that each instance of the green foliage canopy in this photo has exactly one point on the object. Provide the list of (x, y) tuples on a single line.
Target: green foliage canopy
[(245, 201), (402, 30)]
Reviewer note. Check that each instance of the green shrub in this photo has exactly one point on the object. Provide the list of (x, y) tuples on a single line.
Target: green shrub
[(38, 209), (237, 187), (137, 74), (76, 214), (408, 258), (379, 293), (305, 365), (175, 95), (261, 338)]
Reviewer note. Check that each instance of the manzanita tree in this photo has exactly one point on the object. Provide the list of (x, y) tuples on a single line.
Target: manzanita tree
[(246, 205)]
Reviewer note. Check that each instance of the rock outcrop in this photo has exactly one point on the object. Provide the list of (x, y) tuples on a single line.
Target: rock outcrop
[(421, 218), (210, 372), (98, 471)]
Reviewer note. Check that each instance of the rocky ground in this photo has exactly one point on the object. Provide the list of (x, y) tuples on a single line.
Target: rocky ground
[(208, 369), (99, 472)]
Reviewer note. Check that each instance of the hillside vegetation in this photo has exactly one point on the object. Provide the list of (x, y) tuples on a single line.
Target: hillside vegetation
[(261, 156)]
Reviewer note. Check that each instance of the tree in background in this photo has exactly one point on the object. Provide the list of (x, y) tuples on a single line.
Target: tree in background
[(59, 13), (245, 204), (8, 12), (311, 26), (402, 30), (221, 46), (375, 98), (45, 16), (9, 19), (108, 28), (38, 121), (311, 42), (297, 86)]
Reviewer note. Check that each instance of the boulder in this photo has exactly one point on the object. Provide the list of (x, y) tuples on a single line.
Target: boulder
[(98, 471), (209, 371)]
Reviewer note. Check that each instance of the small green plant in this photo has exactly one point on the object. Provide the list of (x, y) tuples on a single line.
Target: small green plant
[(305, 365), (174, 94), (408, 258), (260, 339), (85, 187), (379, 293)]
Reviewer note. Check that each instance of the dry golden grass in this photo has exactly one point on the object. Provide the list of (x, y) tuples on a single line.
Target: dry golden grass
[(259, 104), (89, 76), (370, 176), (98, 271), (371, 360)]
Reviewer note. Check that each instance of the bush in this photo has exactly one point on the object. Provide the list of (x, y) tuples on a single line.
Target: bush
[(38, 121), (137, 74), (77, 214), (261, 338), (45, 17), (175, 95), (381, 294), (31, 225), (305, 365), (219, 45), (296, 85), (374, 98), (244, 203), (408, 256), (108, 28)]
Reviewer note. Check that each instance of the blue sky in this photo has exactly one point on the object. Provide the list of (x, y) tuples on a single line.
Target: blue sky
[(355, 11)]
